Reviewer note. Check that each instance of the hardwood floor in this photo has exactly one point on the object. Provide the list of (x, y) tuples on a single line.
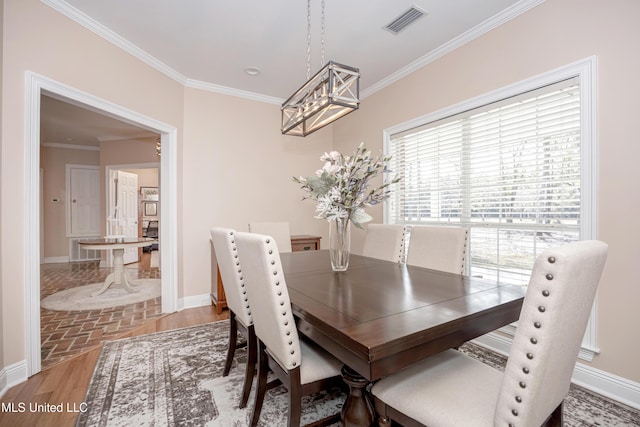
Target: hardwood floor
[(60, 390)]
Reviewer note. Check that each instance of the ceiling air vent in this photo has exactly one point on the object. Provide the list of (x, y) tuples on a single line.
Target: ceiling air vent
[(401, 22)]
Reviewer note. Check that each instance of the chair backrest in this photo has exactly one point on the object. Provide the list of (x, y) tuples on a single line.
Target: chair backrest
[(152, 229), (278, 230), (224, 245), (384, 241), (269, 298), (550, 330), (438, 247)]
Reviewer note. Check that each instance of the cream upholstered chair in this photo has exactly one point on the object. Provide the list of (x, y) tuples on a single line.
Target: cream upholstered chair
[(384, 241), (278, 230), (239, 309), (438, 247), (303, 368), (452, 389)]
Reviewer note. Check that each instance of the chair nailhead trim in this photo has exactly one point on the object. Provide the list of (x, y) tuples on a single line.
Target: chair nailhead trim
[(545, 293), (541, 309), (514, 412), (551, 259), (522, 384), (530, 356), (534, 341), (537, 325), (525, 370), (549, 276), (518, 399)]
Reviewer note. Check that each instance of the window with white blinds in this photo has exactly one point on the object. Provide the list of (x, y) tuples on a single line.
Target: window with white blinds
[(510, 171)]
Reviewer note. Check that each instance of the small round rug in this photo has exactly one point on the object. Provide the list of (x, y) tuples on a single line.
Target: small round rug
[(80, 299)]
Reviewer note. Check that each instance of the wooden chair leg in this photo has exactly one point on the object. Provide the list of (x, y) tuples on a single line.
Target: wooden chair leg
[(295, 406), (556, 419), (233, 337), (250, 371), (261, 386)]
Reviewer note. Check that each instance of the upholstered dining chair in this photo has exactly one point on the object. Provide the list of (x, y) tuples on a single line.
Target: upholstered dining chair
[(452, 389), (239, 309), (278, 230), (303, 368), (384, 241), (438, 247)]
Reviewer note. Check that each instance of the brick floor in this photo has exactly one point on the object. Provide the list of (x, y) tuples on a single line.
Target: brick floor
[(65, 334)]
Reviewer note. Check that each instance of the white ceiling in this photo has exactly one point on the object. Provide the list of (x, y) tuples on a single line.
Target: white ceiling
[(209, 43)]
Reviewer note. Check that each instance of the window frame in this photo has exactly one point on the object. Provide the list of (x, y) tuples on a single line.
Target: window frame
[(585, 72)]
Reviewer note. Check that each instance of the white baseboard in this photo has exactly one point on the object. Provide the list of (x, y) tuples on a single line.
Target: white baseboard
[(12, 375), (56, 260), (194, 301), (612, 386)]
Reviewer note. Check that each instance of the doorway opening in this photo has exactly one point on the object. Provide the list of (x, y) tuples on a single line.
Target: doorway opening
[(37, 86)]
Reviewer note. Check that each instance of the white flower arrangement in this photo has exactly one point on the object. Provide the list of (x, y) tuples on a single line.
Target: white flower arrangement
[(341, 186)]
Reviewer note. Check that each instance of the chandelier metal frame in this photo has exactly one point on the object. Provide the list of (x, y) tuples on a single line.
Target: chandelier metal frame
[(330, 94)]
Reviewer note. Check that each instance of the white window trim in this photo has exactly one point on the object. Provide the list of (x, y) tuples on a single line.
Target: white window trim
[(585, 71)]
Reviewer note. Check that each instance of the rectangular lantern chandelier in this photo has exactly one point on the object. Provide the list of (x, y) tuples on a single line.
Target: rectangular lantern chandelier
[(332, 93)]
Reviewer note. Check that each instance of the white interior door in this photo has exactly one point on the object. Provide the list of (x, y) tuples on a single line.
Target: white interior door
[(128, 210), (83, 189)]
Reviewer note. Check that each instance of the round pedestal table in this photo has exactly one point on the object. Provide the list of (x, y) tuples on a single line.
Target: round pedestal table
[(117, 246)]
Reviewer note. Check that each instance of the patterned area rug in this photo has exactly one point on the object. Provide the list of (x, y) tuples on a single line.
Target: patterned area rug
[(175, 378), (79, 298)]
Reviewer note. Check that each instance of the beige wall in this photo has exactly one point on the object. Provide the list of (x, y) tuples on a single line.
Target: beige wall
[(554, 34), (239, 170), (2, 363), (53, 163)]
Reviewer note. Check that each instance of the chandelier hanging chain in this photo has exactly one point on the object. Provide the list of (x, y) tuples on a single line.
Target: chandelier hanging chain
[(322, 37), (308, 39)]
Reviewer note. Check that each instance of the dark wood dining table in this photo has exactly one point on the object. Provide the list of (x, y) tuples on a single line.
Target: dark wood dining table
[(379, 317)]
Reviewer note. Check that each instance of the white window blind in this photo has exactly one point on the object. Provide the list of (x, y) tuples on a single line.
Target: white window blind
[(510, 171)]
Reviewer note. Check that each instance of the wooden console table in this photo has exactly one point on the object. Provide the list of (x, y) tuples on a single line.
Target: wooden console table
[(304, 242), (299, 242)]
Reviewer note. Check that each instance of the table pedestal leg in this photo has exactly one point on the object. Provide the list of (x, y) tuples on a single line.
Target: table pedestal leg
[(118, 275), (357, 410)]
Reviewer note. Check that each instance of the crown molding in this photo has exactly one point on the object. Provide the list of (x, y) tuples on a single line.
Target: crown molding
[(70, 146), (470, 35), (197, 84)]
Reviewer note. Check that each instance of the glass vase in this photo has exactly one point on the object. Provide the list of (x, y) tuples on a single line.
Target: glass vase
[(339, 244)]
